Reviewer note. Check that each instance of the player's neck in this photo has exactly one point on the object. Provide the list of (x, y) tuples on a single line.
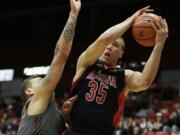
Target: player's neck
[(107, 65)]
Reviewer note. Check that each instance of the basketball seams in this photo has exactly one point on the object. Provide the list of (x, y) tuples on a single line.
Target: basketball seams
[(142, 39), (142, 30), (143, 27), (149, 33)]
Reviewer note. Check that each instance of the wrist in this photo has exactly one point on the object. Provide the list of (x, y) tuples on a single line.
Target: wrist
[(159, 47), (64, 119), (130, 19)]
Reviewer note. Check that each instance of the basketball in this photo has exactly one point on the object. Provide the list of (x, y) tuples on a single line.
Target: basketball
[(142, 30)]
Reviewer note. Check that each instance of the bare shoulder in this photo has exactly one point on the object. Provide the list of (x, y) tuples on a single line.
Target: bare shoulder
[(131, 76), (128, 73)]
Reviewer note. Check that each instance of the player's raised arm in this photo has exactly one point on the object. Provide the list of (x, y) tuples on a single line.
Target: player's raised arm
[(92, 53)]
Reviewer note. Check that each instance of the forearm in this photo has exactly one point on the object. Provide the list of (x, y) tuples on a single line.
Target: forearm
[(151, 68), (64, 43), (117, 31)]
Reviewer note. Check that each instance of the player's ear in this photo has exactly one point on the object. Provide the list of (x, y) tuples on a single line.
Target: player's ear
[(29, 92), (121, 54)]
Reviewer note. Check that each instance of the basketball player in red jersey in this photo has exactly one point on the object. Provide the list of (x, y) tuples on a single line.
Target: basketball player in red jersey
[(102, 86)]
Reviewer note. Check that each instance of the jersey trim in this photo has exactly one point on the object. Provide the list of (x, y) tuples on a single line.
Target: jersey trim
[(117, 115)]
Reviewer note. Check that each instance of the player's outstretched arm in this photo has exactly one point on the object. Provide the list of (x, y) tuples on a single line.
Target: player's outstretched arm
[(137, 81), (62, 51)]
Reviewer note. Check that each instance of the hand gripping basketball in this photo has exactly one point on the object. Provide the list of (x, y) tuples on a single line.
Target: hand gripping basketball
[(142, 30)]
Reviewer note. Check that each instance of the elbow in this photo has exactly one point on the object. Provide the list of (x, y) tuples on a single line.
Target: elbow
[(141, 85), (62, 53), (146, 84), (106, 38)]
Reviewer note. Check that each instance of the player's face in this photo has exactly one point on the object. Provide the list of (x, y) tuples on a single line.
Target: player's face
[(112, 53)]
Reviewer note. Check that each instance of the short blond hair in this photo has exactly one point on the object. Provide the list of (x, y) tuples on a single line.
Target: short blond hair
[(121, 41)]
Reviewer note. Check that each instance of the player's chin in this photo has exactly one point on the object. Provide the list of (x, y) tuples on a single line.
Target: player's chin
[(107, 61), (104, 59)]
